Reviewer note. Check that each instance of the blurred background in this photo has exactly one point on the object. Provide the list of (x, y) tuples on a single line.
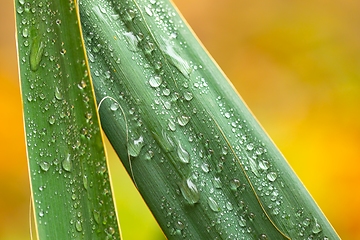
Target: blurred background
[(295, 63)]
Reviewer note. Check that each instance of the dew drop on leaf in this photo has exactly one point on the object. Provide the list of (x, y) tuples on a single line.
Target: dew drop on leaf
[(183, 154), (189, 191), (67, 164), (36, 53), (135, 146), (155, 81), (271, 176), (213, 205), (44, 166)]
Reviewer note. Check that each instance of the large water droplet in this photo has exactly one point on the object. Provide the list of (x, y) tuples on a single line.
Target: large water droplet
[(78, 226), (36, 53), (58, 94), (183, 154), (242, 221), (148, 11), (253, 167), (135, 147), (175, 59), (234, 184), (132, 40), (44, 166), (155, 81), (316, 228), (183, 120), (67, 164), (271, 176), (189, 191), (213, 205)]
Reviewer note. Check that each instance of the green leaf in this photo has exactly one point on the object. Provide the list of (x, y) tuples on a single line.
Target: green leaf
[(71, 192), (203, 164)]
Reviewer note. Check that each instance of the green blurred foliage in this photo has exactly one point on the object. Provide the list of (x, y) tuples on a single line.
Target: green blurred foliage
[(295, 63)]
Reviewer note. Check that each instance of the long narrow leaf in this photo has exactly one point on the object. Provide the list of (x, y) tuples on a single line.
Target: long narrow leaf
[(71, 192), (203, 164)]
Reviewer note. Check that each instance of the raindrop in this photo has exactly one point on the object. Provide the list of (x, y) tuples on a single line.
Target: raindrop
[(148, 11), (44, 166), (85, 182), (189, 191), (217, 182), (213, 205), (250, 146), (234, 184), (242, 221), (183, 120), (58, 94), (205, 167), (25, 33), (183, 154), (135, 147), (96, 216), (67, 164), (78, 226), (175, 59), (229, 206), (114, 106), (36, 53), (132, 40), (271, 176), (264, 165), (316, 228), (188, 96), (155, 81), (172, 125), (41, 213), (227, 115), (253, 167), (52, 119)]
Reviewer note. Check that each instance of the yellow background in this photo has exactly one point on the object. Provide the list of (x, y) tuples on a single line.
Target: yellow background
[(296, 64)]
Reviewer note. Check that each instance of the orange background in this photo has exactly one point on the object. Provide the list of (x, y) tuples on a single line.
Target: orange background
[(296, 64)]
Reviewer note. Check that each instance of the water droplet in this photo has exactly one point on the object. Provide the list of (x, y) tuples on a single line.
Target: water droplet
[(317, 227), (96, 216), (52, 119), (229, 206), (183, 120), (44, 166), (172, 125), (250, 146), (271, 176), (41, 213), (217, 182), (114, 106), (155, 81), (63, 51), (25, 32), (242, 221), (58, 94), (132, 40), (253, 167), (67, 164), (78, 226), (175, 59), (183, 154), (85, 182), (227, 115), (135, 147), (213, 205), (148, 11), (189, 191), (36, 53), (188, 96), (205, 167), (179, 225), (234, 184), (264, 165)]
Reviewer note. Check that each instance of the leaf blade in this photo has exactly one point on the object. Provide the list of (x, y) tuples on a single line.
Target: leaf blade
[(67, 166)]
